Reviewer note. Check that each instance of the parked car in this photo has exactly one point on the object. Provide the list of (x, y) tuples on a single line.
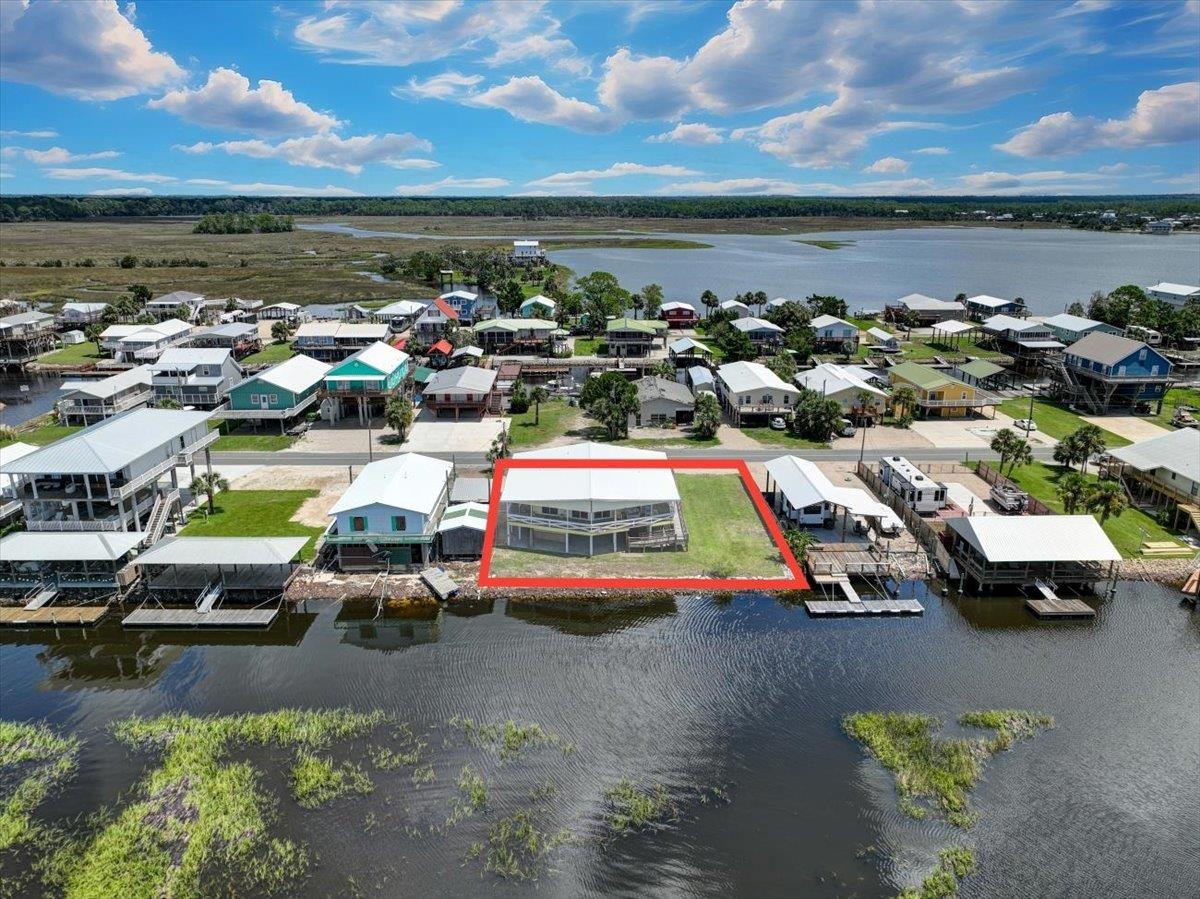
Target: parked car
[(846, 428), (1184, 417), (1026, 424), (778, 424)]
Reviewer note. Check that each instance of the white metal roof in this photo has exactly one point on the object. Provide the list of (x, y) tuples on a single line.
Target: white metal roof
[(400, 308), (632, 485), (539, 300), (380, 356), (175, 297), (177, 357), (1009, 323), (755, 324), (408, 481), (12, 453), (89, 546), (111, 444), (464, 515), (110, 386), (229, 329), (467, 379), (209, 551), (829, 378), (826, 321), (921, 302), (343, 329), (1179, 290), (290, 307), (1036, 538), (990, 302), (683, 344), (804, 484), (590, 450), (1069, 322), (84, 307), (676, 304), (742, 376), (954, 326), (733, 304), (296, 374), (880, 334), (473, 351), (1178, 452)]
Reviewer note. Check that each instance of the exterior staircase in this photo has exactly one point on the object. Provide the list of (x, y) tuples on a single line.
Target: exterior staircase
[(160, 515)]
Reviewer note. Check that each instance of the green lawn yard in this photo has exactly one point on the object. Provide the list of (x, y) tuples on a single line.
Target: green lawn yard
[(1053, 420), (1127, 533), (73, 354), (556, 418), (923, 348), (254, 513), (726, 538), (590, 346), (43, 435), (240, 437), (782, 438), (270, 354), (1178, 396)]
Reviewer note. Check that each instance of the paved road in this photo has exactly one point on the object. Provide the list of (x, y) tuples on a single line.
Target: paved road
[(935, 454)]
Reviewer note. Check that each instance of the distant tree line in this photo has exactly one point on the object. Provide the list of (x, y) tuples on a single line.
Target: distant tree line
[(29, 208), (1129, 305), (242, 223)]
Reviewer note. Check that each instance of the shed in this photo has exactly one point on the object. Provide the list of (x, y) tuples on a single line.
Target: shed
[(462, 530)]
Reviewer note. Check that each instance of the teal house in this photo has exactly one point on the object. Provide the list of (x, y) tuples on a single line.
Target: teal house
[(279, 393), (365, 380)]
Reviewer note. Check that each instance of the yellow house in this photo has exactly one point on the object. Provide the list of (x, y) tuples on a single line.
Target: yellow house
[(938, 394)]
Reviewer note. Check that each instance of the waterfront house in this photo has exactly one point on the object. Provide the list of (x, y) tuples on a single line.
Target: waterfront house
[(634, 336), (779, 303), (24, 336), (76, 315), (940, 395), (143, 343), (1175, 294), (883, 341), (662, 402), (679, 315), (1165, 471), (981, 373), (537, 307), (928, 311), (515, 336), (762, 333), (167, 306), (833, 333), (1026, 341), (335, 341), (916, 489), (463, 389), (10, 502), (751, 393), (587, 511), (194, 377), (280, 393), (984, 306), (461, 531), (1103, 373), (526, 252), (1013, 552), (240, 338), (736, 308), (847, 385), (801, 494), (686, 350), (1070, 328), (701, 380), (389, 516), (399, 314), (86, 565), (94, 399), (466, 305), (291, 313), (434, 320), (106, 477), (365, 380)]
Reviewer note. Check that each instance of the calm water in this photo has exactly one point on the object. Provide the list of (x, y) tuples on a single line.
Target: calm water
[(43, 391), (746, 695)]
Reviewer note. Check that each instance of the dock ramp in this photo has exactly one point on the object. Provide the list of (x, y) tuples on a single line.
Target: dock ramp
[(1051, 605), (43, 597)]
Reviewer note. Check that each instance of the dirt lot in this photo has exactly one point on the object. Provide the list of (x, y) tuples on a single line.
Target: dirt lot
[(332, 481), (1131, 427)]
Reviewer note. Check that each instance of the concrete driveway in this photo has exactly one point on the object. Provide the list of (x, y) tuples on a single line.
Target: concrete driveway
[(1131, 427), (433, 435), (972, 432)]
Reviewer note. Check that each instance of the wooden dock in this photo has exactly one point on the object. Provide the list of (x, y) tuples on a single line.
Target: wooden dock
[(440, 582), (1060, 608), (825, 607), (223, 618), (51, 616)]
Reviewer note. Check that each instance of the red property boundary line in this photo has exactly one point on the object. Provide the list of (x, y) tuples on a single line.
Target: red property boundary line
[(797, 581)]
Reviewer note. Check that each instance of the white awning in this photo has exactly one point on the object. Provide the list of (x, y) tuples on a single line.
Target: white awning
[(213, 551), (1036, 538), (44, 546), (954, 326)]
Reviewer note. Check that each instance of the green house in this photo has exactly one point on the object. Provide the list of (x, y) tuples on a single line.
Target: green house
[(366, 379), (279, 393)]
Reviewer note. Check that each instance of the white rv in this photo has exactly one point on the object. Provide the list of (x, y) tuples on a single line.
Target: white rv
[(918, 491)]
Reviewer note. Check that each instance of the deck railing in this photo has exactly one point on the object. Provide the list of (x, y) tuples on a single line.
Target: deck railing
[(576, 526)]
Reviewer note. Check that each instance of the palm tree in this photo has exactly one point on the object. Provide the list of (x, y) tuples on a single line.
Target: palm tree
[(1004, 444), (903, 397), (638, 302), (1072, 490), (280, 331), (208, 485), (760, 299), (398, 413), (1022, 455), (710, 300), (539, 395), (1107, 499), (1090, 440)]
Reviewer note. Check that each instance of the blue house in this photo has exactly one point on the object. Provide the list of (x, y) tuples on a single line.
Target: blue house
[(831, 332), (280, 393), (1104, 373), (365, 380)]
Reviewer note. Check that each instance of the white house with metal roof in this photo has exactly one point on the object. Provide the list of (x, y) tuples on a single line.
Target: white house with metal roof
[(829, 331), (587, 511), (195, 377), (106, 477), (750, 391), (10, 503), (399, 314), (279, 393), (927, 310), (389, 515), (982, 306), (1175, 294), (846, 384), (463, 389), (735, 307), (1165, 470), (336, 341), (167, 305), (761, 332), (86, 401), (801, 494), (143, 343), (74, 314), (288, 312)]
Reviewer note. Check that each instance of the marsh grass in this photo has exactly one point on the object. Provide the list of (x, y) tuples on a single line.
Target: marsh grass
[(931, 771), (198, 815), (517, 846), (33, 762), (633, 808), (954, 864), (318, 780), (510, 738)]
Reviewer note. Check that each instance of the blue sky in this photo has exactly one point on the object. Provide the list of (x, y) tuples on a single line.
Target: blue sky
[(654, 97)]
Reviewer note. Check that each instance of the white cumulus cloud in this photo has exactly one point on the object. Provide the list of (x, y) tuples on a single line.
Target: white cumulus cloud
[(104, 174), (55, 155), (327, 151), (933, 151), (122, 192), (695, 133), (887, 165), (30, 134), (531, 99), (446, 86), (616, 170), (275, 190), (226, 100), (85, 50), (452, 183)]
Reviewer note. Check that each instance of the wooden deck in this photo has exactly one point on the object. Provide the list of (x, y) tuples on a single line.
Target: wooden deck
[(149, 617), (1060, 608), (864, 607), (51, 616), (442, 585)]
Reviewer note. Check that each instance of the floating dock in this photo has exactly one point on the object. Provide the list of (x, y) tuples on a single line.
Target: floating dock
[(1060, 608), (825, 607), (51, 616), (440, 582), (227, 618)]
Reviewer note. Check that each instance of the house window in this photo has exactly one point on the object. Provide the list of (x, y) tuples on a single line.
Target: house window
[(358, 523), (579, 515), (548, 510), (768, 399), (274, 397), (1142, 355), (254, 397), (399, 523)]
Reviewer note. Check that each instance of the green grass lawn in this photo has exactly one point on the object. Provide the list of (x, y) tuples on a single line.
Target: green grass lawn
[(43, 435), (677, 438), (556, 418), (590, 346), (238, 436), (923, 348), (782, 438), (255, 513), (726, 538), (1053, 420), (270, 354), (1178, 396), (1127, 533), (73, 354)]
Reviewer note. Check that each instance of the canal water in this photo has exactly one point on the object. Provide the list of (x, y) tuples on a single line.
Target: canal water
[(26, 395), (739, 699)]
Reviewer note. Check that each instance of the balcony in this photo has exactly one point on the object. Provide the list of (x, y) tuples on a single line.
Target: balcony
[(621, 520)]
